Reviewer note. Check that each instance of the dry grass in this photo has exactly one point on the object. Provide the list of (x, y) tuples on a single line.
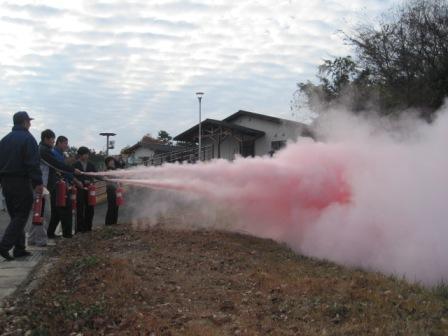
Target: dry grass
[(172, 282)]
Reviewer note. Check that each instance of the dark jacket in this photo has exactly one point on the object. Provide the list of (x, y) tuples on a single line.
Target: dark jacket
[(19, 155), (111, 187), (90, 168), (50, 160), (59, 155)]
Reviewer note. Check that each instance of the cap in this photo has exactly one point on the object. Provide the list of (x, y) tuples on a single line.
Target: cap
[(20, 117)]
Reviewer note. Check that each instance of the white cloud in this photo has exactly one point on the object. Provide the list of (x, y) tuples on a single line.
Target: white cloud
[(133, 66)]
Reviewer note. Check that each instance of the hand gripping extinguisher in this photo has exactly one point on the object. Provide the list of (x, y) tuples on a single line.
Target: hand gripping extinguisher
[(119, 196), (37, 209), (61, 193), (73, 198), (92, 194)]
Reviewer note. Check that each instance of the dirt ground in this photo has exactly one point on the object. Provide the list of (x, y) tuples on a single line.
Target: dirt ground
[(120, 281)]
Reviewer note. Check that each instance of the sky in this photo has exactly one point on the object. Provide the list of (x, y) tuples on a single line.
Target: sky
[(133, 67)]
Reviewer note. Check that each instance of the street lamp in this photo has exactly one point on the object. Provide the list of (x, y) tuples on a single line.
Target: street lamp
[(199, 95), (107, 135)]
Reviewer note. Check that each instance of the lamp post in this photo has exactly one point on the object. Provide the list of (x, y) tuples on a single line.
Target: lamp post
[(107, 135), (199, 95)]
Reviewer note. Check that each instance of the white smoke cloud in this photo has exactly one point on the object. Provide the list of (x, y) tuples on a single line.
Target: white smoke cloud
[(373, 195)]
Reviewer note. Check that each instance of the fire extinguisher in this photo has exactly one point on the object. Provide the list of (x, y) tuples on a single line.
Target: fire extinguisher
[(73, 198), (37, 209), (61, 193), (119, 196), (92, 194)]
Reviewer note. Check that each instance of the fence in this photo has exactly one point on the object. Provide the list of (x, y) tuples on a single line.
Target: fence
[(189, 155)]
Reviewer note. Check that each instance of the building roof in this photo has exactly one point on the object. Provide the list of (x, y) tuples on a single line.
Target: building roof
[(192, 133), (149, 142), (276, 120)]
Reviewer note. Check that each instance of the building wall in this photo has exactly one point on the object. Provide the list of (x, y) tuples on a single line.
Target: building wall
[(229, 147), (136, 157), (273, 132)]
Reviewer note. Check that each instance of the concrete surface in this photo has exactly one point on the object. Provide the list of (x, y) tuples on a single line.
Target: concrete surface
[(14, 273)]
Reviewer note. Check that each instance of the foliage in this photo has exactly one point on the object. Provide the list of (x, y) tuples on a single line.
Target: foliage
[(401, 63), (97, 159), (72, 151), (165, 137), (123, 150)]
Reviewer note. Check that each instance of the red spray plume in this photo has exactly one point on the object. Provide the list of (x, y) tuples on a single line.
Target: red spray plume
[(263, 190)]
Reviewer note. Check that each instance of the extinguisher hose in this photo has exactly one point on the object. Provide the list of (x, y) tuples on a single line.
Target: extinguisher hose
[(57, 169)]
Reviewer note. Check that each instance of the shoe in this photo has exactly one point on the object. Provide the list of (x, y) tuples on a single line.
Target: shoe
[(68, 236), (21, 253), (5, 254)]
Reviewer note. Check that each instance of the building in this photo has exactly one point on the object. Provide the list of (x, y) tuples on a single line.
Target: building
[(149, 151), (244, 133)]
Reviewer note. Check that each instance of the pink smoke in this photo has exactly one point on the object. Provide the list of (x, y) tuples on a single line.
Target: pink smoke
[(362, 198)]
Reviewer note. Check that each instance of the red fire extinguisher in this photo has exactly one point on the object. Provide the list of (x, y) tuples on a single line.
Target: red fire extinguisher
[(73, 198), (119, 196), (92, 194), (61, 193), (37, 209)]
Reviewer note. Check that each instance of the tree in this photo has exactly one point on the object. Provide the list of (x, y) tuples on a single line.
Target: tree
[(401, 62), (98, 159), (123, 150), (72, 151), (165, 137), (341, 81)]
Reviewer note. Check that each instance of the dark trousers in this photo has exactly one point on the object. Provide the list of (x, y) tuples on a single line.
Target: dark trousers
[(84, 212), (112, 208), (18, 195), (60, 214)]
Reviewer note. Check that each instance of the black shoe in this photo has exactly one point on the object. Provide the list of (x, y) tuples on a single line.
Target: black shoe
[(68, 236), (21, 253), (5, 254)]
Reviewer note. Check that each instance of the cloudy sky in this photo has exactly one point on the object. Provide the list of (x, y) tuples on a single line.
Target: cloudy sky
[(133, 67)]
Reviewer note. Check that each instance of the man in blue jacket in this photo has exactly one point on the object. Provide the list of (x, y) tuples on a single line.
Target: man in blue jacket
[(19, 174), (61, 214)]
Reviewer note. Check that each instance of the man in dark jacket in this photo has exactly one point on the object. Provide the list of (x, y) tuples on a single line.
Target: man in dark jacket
[(84, 211), (111, 191), (56, 168), (19, 174)]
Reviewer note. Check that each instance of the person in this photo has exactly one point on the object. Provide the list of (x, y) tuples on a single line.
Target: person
[(37, 235), (111, 192), (84, 211), (2, 200), (19, 174), (65, 173)]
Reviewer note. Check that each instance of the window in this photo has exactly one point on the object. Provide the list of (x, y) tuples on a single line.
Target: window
[(276, 145)]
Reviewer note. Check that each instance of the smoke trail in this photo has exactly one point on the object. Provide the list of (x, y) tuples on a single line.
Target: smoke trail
[(365, 197)]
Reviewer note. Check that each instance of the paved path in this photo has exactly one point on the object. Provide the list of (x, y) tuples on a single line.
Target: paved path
[(14, 273)]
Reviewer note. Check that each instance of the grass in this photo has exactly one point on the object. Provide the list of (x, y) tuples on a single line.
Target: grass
[(178, 282), (441, 290)]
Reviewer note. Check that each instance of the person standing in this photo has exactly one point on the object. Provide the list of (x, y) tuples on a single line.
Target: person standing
[(61, 214), (37, 235), (20, 174), (111, 192), (84, 211)]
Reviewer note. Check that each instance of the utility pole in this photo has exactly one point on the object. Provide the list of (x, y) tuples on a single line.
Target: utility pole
[(199, 95), (107, 135)]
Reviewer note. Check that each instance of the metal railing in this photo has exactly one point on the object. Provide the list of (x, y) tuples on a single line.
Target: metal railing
[(189, 155)]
